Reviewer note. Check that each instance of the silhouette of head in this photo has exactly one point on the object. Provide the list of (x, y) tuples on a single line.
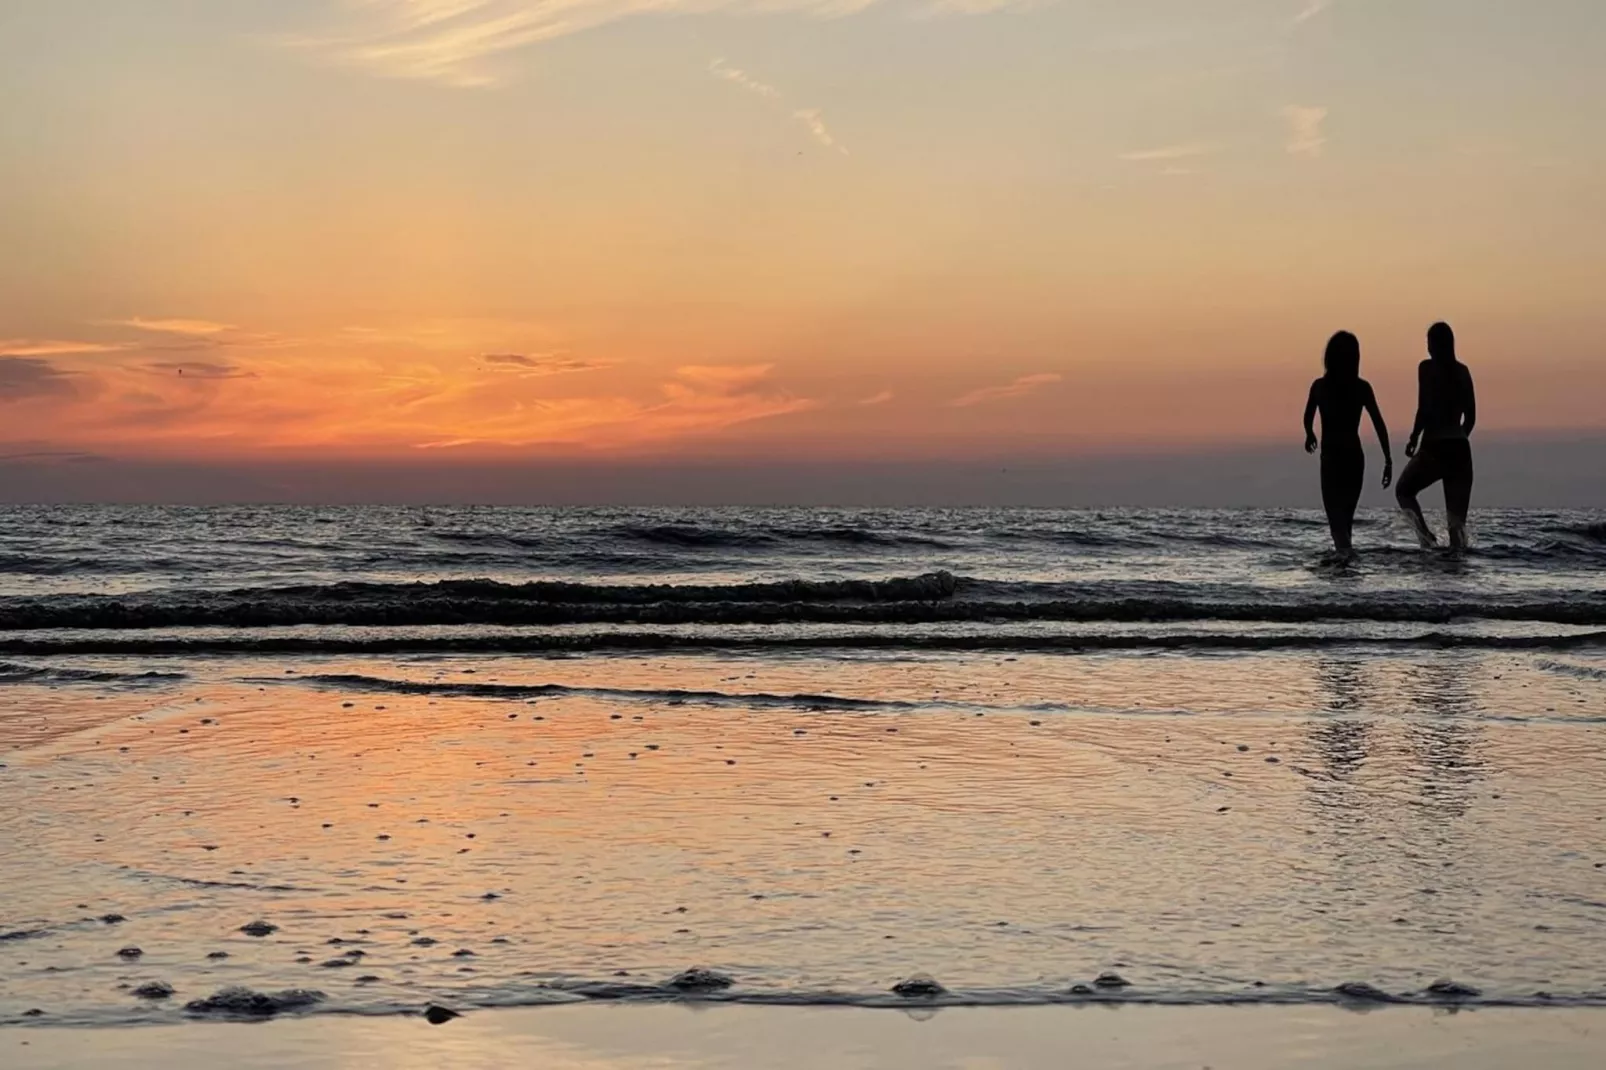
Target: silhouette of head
[(1441, 342), (1343, 358)]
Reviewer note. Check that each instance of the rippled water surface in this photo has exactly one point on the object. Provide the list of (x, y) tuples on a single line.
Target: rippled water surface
[(1224, 768)]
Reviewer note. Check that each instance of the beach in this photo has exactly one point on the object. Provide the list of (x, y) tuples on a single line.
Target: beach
[(923, 829)]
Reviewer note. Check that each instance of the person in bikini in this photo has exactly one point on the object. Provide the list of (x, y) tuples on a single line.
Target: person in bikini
[(1340, 396), (1440, 446)]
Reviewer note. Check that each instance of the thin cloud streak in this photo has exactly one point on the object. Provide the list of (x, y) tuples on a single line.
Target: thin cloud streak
[(449, 41), (31, 347), (200, 369), (198, 334), (454, 336), (1311, 11), (814, 122), (1306, 138), (735, 75), (812, 119), (1026, 384), (541, 364), (1170, 152), (187, 327)]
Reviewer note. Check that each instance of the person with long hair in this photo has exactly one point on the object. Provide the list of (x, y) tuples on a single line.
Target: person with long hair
[(1440, 445), (1340, 396)]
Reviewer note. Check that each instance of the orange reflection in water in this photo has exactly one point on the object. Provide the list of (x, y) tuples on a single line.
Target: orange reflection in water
[(482, 846)]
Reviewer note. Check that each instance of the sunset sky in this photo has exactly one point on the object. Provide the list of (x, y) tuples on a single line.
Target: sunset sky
[(816, 230)]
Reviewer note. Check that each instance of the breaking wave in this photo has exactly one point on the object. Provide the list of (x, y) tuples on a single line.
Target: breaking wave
[(556, 643), (35, 674), (932, 598), (368, 684)]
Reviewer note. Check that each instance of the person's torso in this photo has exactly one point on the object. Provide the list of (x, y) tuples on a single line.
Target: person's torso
[(1340, 403), (1444, 400)]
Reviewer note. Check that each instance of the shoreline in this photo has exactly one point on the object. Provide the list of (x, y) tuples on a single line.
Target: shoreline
[(601, 1036), (239, 1004)]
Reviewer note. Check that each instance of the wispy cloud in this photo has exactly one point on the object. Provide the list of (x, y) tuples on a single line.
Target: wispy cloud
[(200, 369), (1311, 10), (1026, 384), (452, 42), (187, 327), (698, 399), (1169, 152), (720, 69), (1305, 135), (366, 398), (541, 363), (52, 457), (704, 398), (814, 122), (42, 347), (812, 119), (31, 377), (454, 336), (974, 7), (875, 399), (185, 333)]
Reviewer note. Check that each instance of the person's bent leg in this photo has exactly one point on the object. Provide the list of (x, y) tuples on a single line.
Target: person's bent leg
[(1458, 492), (1420, 474)]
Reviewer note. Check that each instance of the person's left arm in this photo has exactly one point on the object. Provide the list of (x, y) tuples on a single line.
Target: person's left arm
[(1310, 417), (1469, 415), (1382, 430)]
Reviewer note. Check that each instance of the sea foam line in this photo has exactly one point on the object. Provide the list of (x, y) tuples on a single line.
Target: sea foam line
[(554, 643)]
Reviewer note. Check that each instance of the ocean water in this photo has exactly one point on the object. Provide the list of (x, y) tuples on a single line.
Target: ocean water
[(489, 757)]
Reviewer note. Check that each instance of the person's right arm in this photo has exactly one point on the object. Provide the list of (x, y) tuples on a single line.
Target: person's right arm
[(1369, 400), (1469, 413), (1310, 417), (1421, 408)]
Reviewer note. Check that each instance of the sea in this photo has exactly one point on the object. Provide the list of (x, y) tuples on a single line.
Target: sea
[(261, 761)]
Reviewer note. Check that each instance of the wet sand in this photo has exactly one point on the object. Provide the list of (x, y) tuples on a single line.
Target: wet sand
[(594, 1037), (1212, 829)]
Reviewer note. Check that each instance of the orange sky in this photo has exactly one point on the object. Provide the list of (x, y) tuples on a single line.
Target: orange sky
[(324, 228)]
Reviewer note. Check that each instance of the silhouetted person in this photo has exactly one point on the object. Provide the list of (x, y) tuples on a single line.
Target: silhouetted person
[(1339, 396), (1446, 412)]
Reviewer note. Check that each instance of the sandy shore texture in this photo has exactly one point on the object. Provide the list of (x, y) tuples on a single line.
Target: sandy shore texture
[(594, 1037), (494, 832)]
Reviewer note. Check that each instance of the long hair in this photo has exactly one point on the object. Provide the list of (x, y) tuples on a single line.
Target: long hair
[(1441, 343), (1343, 357)]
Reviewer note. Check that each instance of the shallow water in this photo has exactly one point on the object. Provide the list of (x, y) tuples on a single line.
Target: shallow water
[(1250, 827), (1228, 772)]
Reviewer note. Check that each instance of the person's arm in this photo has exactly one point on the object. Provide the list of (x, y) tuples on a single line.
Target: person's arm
[(1421, 408), (1310, 417), (1469, 415), (1382, 435)]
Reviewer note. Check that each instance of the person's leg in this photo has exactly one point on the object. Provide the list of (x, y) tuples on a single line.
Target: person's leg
[(1343, 474), (1333, 483), (1355, 476), (1458, 491), (1420, 474)]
